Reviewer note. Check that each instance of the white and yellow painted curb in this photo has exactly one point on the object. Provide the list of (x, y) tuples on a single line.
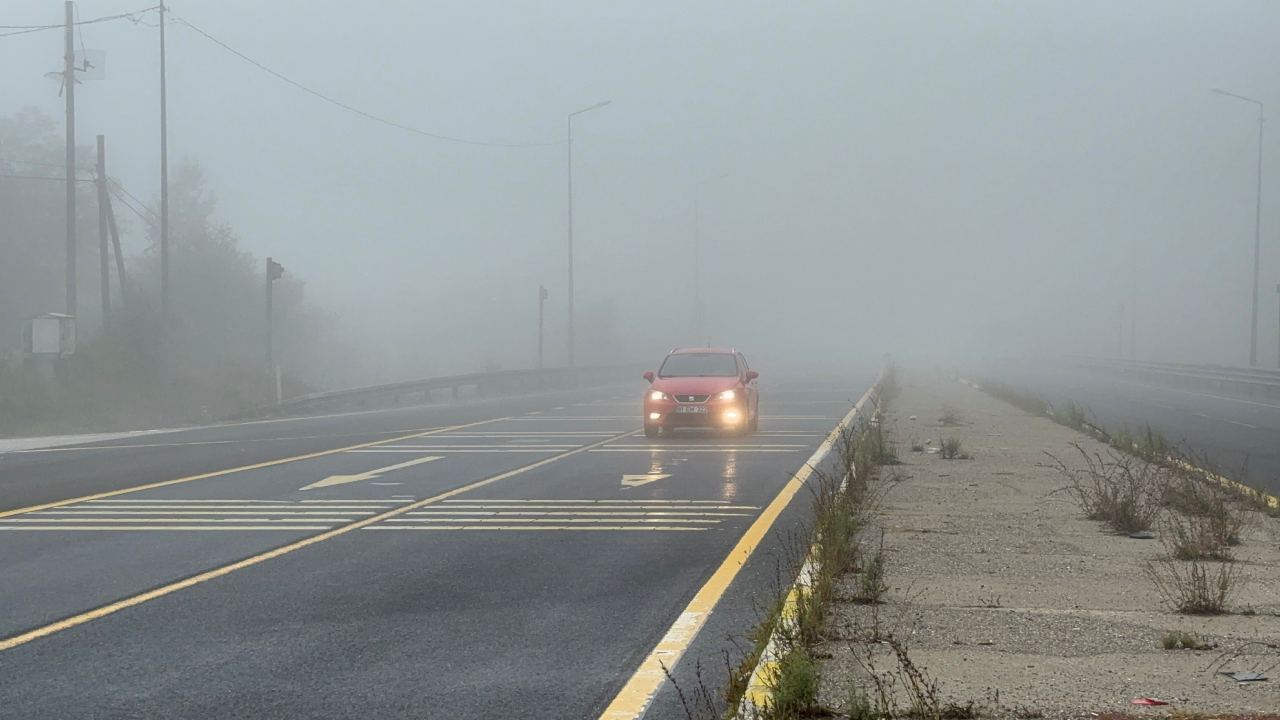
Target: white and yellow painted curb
[(756, 698)]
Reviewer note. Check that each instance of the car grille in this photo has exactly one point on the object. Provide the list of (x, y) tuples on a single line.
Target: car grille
[(692, 398)]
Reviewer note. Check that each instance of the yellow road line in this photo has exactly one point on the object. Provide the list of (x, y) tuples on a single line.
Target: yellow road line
[(243, 468), (633, 699), (115, 607)]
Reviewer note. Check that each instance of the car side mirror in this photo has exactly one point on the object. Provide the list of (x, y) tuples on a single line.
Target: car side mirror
[(649, 376), (752, 375)]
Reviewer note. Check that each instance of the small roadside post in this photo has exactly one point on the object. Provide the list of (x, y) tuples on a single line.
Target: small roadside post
[(542, 301)]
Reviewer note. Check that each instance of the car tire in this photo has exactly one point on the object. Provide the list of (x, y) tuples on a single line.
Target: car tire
[(651, 431)]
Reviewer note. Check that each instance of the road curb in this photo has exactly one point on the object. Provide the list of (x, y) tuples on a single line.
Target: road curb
[(761, 682)]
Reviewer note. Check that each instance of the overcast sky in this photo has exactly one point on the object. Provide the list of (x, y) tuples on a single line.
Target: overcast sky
[(935, 179)]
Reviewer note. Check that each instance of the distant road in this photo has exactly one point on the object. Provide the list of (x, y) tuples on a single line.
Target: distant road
[(1235, 433), (512, 558)]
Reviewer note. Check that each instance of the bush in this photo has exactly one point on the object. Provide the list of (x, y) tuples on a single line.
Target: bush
[(1120, 490), (1195, 587), (951, 449)]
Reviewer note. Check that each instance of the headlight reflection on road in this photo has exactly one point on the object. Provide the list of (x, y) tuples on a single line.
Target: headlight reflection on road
[(730, 474)]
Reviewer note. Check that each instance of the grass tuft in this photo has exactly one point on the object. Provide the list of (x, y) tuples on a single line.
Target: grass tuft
[(1183, 640), (1194, 587)]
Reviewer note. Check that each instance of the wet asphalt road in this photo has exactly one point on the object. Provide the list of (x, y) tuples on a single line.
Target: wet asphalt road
[(1239, 436), (480, 560)]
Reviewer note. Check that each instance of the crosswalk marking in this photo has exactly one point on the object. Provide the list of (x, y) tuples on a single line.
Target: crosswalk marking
[(590, 514), (198, 515)]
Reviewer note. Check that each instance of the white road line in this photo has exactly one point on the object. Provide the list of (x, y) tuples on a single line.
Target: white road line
[(377, 503), (47, 521), (581, 513), (449, 451), (488, 506), (651, 528), (170, 511), (692, 521), (175, 506), (183, 528), (607, 501), (717, 446), (692, 450), (478, 446)]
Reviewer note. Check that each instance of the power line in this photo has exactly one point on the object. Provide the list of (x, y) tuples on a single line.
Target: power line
[(146, 217), (350, 108), (120, 188), (24, 29), (40, 177), (81, 168)]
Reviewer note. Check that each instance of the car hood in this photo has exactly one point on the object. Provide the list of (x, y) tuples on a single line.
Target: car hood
[(694, 385)]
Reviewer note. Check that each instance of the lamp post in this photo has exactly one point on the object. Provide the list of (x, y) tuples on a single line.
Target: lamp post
[(570, 158), (699, 333), (1257, 229)]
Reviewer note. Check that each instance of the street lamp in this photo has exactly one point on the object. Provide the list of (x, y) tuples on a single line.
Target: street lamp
[(1257, 230), (697, 254), (570, 149)]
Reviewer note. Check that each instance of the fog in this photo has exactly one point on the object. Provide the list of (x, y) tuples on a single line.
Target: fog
[(941, 181)]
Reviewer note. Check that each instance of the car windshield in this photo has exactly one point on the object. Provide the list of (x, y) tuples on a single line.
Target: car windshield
[(699, 365)]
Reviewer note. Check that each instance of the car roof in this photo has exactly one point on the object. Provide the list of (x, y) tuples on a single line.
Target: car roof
[(703, 351)]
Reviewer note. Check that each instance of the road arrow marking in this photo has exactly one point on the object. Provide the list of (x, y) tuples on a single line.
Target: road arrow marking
[(636, 480), (344, 479)]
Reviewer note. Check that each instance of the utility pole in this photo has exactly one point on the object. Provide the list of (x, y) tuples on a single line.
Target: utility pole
[(1133, 298), (699, 330), (1257, 249), (1120, 333), (1257, 228), (104, 261), (542, 301), (69, 86), (569, 146), (115, 245), (697, 267), (1278, 333), (164, 187)]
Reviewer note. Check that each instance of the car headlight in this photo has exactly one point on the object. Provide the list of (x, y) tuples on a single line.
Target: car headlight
[(657, 395), (727, 395)]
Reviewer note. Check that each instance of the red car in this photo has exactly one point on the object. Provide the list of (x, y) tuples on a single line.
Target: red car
[(702, 387)]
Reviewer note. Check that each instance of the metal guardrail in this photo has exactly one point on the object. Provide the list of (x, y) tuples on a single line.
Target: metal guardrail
[(455, 387), (1250, 383)]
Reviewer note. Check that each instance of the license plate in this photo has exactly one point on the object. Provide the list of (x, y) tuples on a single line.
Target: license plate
[(691, 409)]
